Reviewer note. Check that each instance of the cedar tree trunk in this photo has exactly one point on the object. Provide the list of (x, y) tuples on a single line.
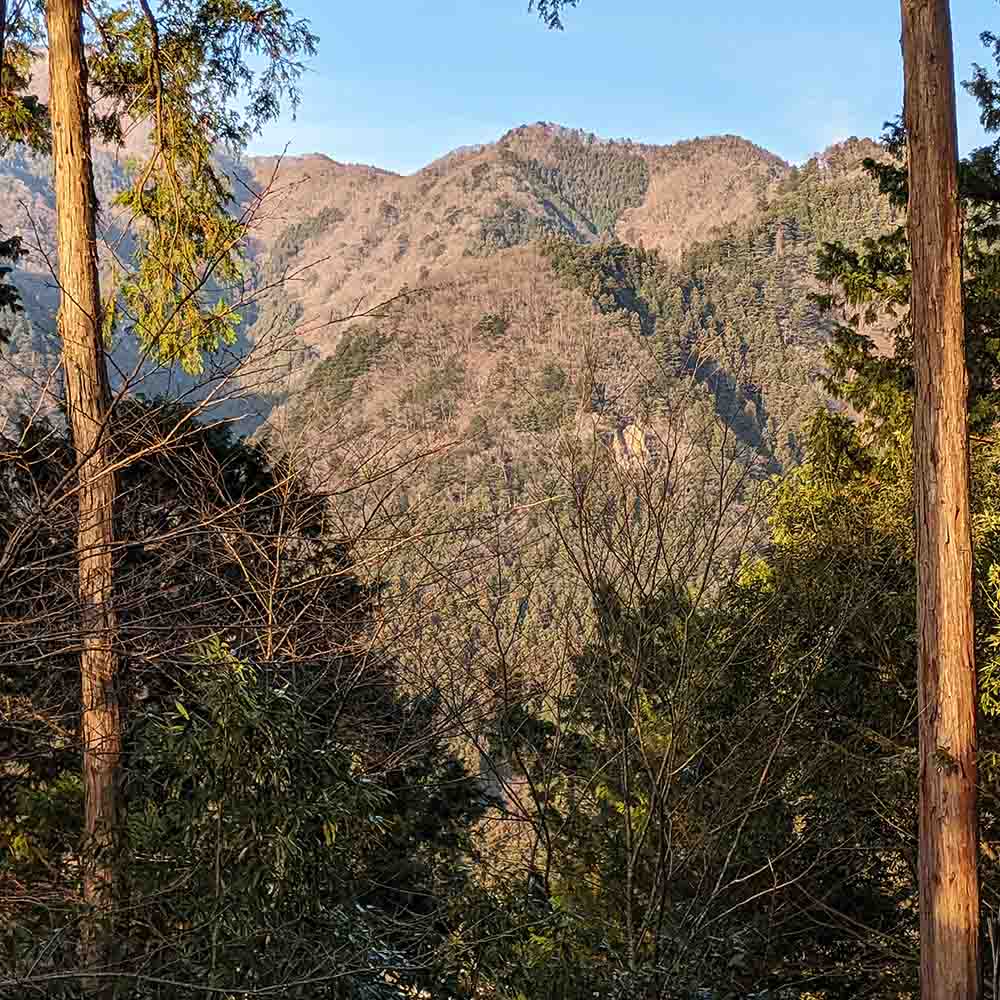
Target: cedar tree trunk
[(949, 885), (88, 407)]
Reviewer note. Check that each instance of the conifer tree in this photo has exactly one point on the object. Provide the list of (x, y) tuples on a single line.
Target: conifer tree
[(88, 402), (949, 887), (179, 69)]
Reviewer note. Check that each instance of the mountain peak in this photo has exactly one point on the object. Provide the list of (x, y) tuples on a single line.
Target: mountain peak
[(847, 154), (553, 130)]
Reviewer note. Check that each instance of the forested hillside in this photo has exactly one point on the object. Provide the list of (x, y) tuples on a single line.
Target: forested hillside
[(480, 395), (358, 234), (484, 361), (489, 583)]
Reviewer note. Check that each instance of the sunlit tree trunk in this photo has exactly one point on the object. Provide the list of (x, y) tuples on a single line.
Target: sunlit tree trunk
[(949, 886), (88, 404)]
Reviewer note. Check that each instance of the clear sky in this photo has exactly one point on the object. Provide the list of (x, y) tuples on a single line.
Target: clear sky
[(400, 82)]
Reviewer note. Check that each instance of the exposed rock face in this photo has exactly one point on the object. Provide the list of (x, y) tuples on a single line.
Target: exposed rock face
[(630, 444)]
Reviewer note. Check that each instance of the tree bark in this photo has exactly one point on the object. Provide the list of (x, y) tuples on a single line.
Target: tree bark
[(949, 884), (88, 407)]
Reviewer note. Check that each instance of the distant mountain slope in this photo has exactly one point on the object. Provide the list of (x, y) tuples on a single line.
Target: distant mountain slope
[(720, 287), (734, 313), (29, 375), (571, 321), (477, 413), (27, 207), (349, 234), (733, 229)]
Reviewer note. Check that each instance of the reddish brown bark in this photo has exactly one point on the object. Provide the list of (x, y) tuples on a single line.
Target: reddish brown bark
[(949, 886), (88, 404)]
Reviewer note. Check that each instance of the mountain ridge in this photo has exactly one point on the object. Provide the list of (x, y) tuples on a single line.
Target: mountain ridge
[(333, 239), (354, 233), (348, 235), (555, 305), (551, 129)]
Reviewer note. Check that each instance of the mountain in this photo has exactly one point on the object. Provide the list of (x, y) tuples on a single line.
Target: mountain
[(333, 239), (511, 257), (582, 340), (550, 335), (351, 234), (534, 371)]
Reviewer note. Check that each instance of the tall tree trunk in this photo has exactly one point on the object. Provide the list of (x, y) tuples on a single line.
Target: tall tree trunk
[(949, 884), (88, 405)]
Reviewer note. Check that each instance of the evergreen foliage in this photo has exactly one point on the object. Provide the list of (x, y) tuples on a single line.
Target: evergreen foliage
[(356, 352), (276, 832), (289, 242), (594, 182), (509, 225), (182, 70), (580, 185), (738, 313)]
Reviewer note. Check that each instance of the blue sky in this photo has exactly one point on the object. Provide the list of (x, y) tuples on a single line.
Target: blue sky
[(401, 82)]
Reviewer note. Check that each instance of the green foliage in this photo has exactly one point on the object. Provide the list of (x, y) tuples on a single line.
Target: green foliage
[(333, 379), (738, 313), (593, 182), (290, 240), (729, 790), (545, 405), (254, 814), (24, 120), (582, 185), (612, 274), (10, 299), (244, 810), (831, 200), (550, 11), (873, 281), (735, 314), (509, 225), (274, 825), (181, 70), (493, 326), (438, 390)]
